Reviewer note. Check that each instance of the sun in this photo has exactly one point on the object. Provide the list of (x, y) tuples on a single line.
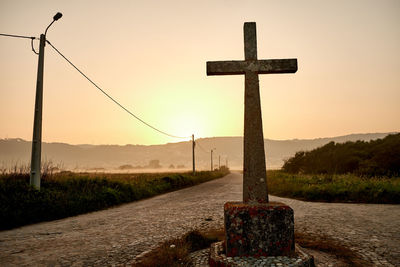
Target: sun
[(185, 125)]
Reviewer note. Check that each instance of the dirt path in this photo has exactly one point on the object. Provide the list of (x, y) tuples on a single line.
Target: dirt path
[(119, 235)]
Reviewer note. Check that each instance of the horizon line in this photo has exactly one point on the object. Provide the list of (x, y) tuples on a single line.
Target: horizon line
[(292, 139)]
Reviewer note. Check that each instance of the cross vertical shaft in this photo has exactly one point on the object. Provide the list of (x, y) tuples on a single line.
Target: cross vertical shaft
[(254, 171)]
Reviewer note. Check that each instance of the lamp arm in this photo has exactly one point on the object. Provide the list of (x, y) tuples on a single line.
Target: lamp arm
[(48, 27)]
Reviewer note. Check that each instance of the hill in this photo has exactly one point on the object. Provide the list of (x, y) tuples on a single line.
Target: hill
[(110, 157)]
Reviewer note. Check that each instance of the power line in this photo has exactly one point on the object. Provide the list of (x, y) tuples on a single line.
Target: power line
[(22, 36), (33, 49), (18, 36), (112, 99), (204, 150)]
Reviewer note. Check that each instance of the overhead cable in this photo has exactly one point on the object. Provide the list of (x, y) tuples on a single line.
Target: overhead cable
[(22, 36), (204, 150), (17, 36)]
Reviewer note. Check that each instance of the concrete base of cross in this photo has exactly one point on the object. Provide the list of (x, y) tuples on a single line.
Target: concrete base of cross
[(258, 229)]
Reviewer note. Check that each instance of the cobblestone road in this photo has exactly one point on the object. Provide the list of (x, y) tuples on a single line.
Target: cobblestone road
[(119, 235)]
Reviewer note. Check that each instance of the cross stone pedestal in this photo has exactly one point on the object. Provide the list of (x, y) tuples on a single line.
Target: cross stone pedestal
[(258, 229)]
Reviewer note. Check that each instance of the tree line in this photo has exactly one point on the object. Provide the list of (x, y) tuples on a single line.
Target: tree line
[(379, 157)]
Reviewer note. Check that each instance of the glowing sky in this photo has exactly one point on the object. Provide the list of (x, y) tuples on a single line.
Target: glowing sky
[(151, 56)]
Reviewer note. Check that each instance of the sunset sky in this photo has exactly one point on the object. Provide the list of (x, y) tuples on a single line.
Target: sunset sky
[(151, 56)]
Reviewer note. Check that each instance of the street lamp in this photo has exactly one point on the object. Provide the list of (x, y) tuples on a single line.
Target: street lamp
[(55, 18), (37, 123)]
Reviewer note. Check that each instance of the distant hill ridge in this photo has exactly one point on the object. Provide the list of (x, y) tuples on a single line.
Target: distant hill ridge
[(88, 156)]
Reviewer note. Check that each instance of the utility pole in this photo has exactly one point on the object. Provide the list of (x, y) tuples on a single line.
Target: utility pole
[(211, 160), (219, 162), (37, 122), (193, 145), (212, 166)]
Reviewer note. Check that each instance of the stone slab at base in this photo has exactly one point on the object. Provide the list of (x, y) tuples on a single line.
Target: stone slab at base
[(259, 229), (219, 259)]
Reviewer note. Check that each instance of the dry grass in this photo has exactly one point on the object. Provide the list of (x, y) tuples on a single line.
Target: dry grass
[(170, 253), (331, 246), (176, 252)]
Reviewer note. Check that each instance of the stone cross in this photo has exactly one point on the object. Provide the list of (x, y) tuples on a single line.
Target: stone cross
[(254, 171)]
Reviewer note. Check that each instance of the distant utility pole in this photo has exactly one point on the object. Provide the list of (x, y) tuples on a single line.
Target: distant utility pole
[(212, 166), (193, 145), (219, 162), (37, 123)]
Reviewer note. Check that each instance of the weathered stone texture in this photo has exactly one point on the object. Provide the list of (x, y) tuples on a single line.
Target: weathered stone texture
[(262, 66), (250, 41), (258, 229), (254, 169)]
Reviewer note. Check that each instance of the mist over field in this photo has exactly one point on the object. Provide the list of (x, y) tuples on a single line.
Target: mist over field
[(166, 157)]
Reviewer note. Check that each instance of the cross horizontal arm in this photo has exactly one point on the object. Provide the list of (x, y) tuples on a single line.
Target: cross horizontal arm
[(258, 66), (226, 67), (277, 66)]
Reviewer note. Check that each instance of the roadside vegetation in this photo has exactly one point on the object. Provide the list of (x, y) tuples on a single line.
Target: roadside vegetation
[(334, 188), (67, 194), (379, 157), (361, 172)]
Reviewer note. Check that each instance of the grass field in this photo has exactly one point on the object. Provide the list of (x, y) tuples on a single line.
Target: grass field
[(334, 188), (67, 194)]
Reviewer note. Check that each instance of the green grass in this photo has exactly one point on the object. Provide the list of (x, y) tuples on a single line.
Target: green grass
[(68, 194), (334, 188)]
